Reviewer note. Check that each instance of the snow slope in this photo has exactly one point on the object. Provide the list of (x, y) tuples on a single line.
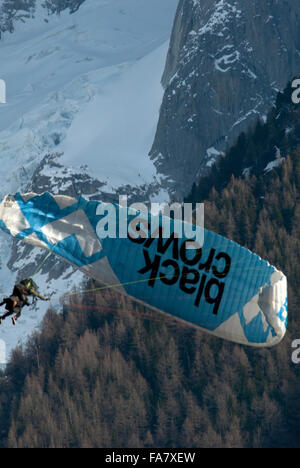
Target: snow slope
[(52, 70), (88, 85), (122, 120)]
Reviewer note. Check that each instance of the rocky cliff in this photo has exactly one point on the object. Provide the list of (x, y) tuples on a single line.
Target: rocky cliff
[(226, 62)]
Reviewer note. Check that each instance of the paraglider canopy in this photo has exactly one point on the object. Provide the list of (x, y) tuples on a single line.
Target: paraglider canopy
[(219, 286)]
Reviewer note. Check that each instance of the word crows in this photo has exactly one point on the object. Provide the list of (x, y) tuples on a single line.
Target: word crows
[(197, 272)]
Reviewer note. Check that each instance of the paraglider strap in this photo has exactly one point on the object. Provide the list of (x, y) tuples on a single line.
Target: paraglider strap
[(41, 264)]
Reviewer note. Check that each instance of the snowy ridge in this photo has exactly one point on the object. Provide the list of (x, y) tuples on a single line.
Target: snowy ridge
[(220, 15), (216, 21)]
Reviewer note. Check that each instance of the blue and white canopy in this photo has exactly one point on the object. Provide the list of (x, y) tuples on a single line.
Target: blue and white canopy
[(218, 286)]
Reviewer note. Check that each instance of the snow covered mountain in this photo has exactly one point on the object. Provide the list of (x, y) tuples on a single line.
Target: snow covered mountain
[(83, 99), (227, 61)]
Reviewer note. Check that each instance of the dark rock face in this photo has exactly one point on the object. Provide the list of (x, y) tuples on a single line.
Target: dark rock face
[(225, 65), (51, 176)]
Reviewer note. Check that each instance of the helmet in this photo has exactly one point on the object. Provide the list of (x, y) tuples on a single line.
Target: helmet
[(28, 283)]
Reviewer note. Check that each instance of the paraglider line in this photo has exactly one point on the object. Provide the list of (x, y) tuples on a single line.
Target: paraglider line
[(41, 264), (116, 285)]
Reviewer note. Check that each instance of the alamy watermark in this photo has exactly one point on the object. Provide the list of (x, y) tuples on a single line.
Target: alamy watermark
[(160, 219), (2, 353), (296, 93), (296, 353), (2, 92)]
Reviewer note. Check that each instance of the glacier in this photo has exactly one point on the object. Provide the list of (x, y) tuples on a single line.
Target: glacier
[(86, 86)]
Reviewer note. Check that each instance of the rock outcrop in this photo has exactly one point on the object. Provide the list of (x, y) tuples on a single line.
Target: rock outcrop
[(225, 65)]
